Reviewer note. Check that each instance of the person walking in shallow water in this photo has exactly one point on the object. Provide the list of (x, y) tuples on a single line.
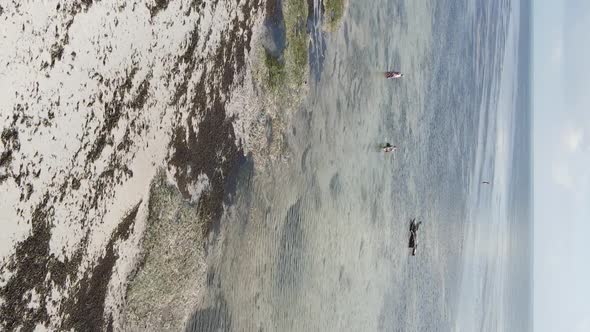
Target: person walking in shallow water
[(413, 242), (393, 74), (389, 148)]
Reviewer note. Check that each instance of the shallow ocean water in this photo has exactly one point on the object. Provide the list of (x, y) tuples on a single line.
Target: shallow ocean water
[(320, 242)]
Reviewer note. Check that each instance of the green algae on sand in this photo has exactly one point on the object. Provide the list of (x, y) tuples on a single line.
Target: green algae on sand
[(171, 271), (289, 70), (333, 12)]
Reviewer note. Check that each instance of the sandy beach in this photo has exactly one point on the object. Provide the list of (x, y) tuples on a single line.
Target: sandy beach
[(218, 165), (97, 99)]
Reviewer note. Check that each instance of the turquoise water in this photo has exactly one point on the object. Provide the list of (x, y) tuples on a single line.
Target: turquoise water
[(320, 242)]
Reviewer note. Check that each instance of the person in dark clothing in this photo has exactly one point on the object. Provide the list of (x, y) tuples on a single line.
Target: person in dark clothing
[(413, 242), (389, 148)]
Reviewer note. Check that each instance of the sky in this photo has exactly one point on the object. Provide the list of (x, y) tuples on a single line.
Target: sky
[(561, 80)]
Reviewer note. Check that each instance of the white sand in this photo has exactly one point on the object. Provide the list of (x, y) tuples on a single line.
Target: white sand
[(62, 116)]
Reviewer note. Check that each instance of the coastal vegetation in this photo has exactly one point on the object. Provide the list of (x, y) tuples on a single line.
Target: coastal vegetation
[(287, 70), (162, 291), (333, 12)]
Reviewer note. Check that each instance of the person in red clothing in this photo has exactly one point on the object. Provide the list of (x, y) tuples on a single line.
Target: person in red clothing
[(393, 74)]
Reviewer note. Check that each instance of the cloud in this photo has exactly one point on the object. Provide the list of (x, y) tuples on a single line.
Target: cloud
[(571, 158), (557, 53), (572, 138), (583, 325), (561, 175)]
